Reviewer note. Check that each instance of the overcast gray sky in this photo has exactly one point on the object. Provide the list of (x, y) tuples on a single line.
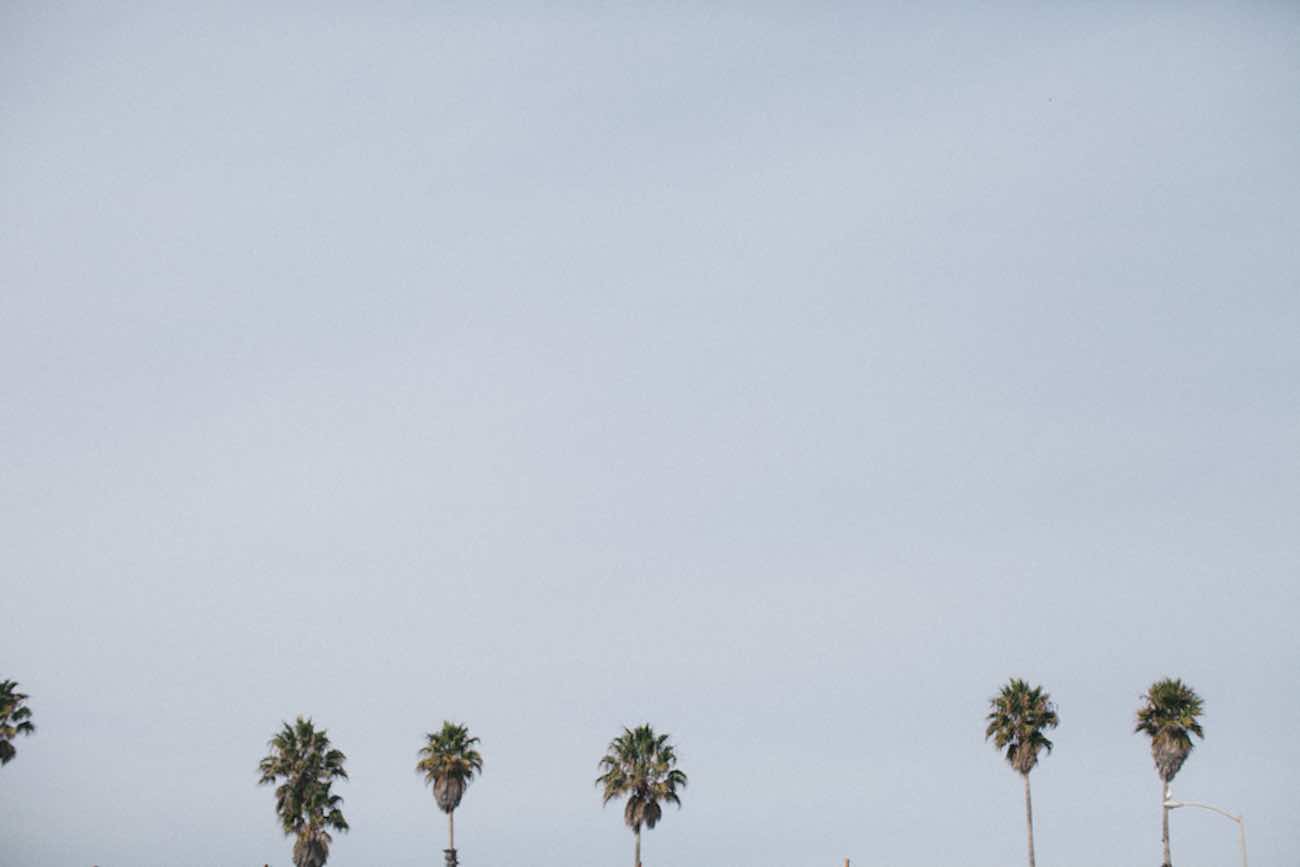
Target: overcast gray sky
[(786, 377)]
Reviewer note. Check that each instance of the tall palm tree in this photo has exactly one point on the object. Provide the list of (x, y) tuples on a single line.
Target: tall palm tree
[(1169, 715), (305, 765), (15, 719), (449, 762), (1018, 716), (642, 767)]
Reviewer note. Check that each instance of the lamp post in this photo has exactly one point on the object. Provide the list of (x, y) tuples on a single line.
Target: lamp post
[(1171, 804)]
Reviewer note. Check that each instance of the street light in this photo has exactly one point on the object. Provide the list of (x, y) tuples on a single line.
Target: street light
[(1171, 804)]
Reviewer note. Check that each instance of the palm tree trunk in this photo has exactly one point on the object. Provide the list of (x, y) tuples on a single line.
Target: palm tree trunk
[(449, 853), (638, 848), (1164, 824), (1029, 820)]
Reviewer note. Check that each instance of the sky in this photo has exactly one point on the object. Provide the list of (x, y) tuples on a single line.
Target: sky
[(784, 376)]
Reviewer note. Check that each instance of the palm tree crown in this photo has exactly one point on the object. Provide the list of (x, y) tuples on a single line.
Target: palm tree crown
[(1169, 716), (15, 719), (449, 762), (1018, 716), (305, 765), (642, 767)]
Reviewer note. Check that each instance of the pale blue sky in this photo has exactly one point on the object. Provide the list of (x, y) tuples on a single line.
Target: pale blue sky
[(787, 377)]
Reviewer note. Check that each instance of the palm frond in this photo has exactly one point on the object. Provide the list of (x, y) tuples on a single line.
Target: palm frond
[(15, 719), (449, 763), (1169, 715), (641, 766), (1018, 717)]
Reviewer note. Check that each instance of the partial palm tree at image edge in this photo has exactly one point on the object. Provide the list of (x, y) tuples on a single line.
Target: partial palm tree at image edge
[(15, 719)]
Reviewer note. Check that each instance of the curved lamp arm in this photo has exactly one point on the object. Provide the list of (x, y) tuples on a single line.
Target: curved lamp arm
[(1171, 804)]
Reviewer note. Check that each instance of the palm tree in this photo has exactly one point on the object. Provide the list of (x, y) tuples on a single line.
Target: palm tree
[(1018, 716), (305, 765), (1168, 715), (642, 767), (15, 719), (449, 762)]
